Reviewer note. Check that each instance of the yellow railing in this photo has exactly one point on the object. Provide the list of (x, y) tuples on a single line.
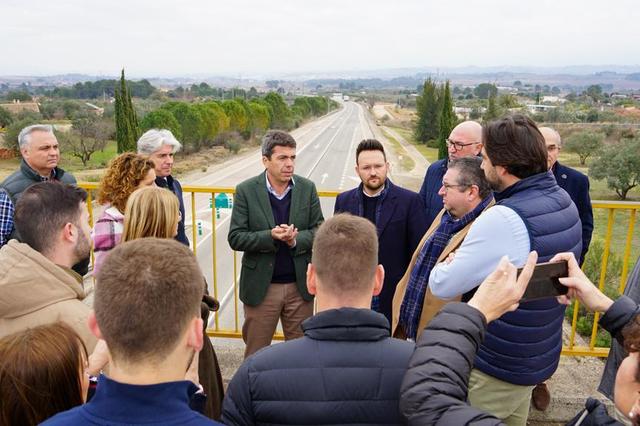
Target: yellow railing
[(571, 349)]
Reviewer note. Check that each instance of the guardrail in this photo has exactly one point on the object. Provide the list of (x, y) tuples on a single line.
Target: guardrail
[(571, 349)]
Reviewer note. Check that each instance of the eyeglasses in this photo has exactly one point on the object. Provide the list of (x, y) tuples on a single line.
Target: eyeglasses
[(447, 186), (458, 146)]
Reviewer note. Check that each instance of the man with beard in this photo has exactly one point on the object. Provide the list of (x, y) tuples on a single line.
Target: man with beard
[(397, 213), (37, 284), (532, 213)]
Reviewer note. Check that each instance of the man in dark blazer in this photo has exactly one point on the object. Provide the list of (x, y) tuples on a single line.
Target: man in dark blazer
[(399, 216), (273, 221), (575, 183), (160, 146)]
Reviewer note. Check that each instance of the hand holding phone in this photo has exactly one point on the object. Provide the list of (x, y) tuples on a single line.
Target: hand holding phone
[(545, 281)]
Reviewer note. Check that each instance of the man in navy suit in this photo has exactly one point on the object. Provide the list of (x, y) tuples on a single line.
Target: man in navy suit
[(575, 183), (398, 214)]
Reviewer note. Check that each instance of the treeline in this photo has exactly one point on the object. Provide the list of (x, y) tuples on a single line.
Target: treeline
[(209, 123), (97, 89)]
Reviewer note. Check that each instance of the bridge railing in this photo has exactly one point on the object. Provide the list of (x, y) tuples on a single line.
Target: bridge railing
[(625, 211)]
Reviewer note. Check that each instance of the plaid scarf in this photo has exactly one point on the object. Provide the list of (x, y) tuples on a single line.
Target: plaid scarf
[(411, 308)]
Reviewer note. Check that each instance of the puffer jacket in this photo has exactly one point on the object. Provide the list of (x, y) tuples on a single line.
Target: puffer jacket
[(34, 291), (345, 370)]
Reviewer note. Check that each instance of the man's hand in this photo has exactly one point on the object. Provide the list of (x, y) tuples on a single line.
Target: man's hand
[(581, 287), (450, 258), (285, 233), (500, 292)]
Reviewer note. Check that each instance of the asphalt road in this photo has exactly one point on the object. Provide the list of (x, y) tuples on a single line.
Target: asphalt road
[(325, 154)]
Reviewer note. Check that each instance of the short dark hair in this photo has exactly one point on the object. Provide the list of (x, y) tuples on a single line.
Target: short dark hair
[(146, 293), (43, 210), (515, 143), (274, 138), (370, 145), (470, 173), (345, 254), (40, 371)]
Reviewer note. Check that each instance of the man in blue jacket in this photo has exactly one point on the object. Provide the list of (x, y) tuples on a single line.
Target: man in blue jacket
[(465, 140), (522, 348), (575, 183), (147, 310), (397, 213), (346, 369)]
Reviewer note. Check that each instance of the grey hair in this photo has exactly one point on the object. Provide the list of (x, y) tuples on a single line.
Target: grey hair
[(25, 134), (274, 138), (152, 140), (470, 173)]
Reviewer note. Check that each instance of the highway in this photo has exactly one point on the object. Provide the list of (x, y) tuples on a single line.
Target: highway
[(325, 154)]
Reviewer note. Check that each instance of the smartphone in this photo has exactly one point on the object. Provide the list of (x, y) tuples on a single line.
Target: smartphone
[(545, 281)]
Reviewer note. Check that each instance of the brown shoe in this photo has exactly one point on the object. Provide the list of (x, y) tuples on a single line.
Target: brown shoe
[(541, 397)]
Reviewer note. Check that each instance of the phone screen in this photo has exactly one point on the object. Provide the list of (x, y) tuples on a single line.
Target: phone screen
[(545, 281)]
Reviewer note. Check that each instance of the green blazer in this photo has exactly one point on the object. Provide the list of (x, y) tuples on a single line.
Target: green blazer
[(250, 232)]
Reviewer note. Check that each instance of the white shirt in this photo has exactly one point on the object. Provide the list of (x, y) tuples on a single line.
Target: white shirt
[(497, 232)]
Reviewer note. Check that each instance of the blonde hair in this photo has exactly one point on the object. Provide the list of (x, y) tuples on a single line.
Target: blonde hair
[(151, 212)]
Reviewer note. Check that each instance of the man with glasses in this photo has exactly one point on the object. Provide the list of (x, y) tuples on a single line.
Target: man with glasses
[(466, 194), (465, 140)]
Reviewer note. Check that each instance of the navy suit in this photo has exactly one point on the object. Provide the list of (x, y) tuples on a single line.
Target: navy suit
[(577, 186), (430, 187), (401, 225), (174, 186)]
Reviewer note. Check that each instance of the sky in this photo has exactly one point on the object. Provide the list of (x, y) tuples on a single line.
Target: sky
[(244, 38)]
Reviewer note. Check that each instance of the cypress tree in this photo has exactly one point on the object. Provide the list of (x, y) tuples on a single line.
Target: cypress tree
[(492, 109), (428, 113), (127, 127), (448, 121)]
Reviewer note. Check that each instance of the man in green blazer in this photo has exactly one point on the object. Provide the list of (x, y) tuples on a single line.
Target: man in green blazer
[(274, 218)]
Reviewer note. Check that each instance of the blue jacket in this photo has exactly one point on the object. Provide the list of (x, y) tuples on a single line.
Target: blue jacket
[(523, 347), (117, 403), (400, 225), (577, 186), (174, 186), (430, 187), (345, 370)]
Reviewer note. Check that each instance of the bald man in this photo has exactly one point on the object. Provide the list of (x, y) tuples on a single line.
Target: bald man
[(572, 181), (465, 140)]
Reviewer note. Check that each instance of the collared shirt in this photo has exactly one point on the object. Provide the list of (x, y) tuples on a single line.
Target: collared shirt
[(6, 217), (273, 191)]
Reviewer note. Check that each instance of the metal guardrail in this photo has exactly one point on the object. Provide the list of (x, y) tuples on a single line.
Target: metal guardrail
[(571, 349)]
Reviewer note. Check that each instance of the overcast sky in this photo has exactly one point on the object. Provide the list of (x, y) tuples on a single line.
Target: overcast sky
[(249, 37)]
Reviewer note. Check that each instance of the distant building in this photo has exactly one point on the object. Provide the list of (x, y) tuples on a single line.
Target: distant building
[(94, 109), (540, 108), (17, 107), (553, 99)]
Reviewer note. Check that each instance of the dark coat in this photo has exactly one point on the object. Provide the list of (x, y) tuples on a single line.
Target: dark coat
[(430, 187), (25, 176), (435, 392), (174, 186), (345, 370), (577, 186), (250, 231), (401, 225)]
